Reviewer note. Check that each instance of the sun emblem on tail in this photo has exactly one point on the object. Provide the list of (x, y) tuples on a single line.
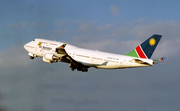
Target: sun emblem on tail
[(152, 41)]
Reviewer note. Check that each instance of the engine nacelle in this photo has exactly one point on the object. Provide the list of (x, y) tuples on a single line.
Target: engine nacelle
[(47, 61), (49, 56)]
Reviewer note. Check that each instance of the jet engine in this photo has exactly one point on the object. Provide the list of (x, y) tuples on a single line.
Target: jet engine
[(47, 61), (49, 58)]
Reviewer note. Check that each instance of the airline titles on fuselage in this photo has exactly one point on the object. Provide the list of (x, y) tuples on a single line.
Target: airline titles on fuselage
[(45, 48)]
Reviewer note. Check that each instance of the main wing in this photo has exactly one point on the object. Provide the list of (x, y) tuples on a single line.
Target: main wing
[(73, 64)]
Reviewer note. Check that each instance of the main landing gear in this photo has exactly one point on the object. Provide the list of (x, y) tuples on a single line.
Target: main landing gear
[(79, 68)]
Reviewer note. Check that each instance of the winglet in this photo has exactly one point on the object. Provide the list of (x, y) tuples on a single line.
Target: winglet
[(62, 46)]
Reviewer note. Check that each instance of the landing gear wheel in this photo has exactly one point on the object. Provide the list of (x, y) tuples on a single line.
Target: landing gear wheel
[(72, 69), (86, 70), (31, 57)]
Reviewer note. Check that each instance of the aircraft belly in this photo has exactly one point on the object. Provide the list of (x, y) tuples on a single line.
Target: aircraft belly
[(131, 65), (108, 65)]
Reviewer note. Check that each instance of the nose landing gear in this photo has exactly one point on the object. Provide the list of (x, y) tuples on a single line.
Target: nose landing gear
[(31, 57)]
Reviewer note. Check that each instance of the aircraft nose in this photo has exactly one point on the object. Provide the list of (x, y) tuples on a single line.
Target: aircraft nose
[(29, 46), (25, 46)]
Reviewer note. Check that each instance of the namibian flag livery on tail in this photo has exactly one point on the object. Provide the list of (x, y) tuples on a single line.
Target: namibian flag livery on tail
[(146, 49)]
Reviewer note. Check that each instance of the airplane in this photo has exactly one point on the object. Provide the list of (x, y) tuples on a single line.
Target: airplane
[(82, 59)]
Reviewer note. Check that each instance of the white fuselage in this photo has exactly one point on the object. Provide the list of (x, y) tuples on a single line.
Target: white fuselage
[(87, 57)]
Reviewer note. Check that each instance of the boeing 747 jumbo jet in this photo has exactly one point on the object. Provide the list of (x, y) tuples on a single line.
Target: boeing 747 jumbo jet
[(82, 59)]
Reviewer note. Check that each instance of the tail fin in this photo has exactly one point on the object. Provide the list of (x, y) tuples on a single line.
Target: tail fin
[(146, 49)]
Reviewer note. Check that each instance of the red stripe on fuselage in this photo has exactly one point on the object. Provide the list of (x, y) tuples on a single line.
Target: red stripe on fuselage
[(140, 52)]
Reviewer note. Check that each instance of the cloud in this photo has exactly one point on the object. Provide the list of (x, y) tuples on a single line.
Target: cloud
[(103, 27), (62, 22), (59, 31), (22, 24), (114, 10), (84, 26), (22, 78), (13, 56), (123, 38), (165, 28), (168, 48), (111, 45)]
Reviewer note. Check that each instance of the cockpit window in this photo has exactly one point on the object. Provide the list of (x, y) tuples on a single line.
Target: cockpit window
[(34, 40)]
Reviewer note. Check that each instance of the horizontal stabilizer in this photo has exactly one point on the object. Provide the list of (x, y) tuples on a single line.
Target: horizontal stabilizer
[(160, 59)]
